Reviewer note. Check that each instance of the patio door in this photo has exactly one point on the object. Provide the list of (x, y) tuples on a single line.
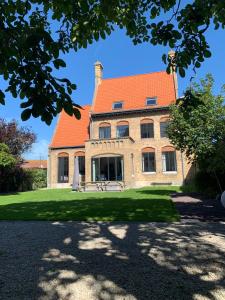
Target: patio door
[(107, 168)]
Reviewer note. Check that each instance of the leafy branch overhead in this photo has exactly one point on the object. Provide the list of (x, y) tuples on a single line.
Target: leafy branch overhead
[(31, 46)]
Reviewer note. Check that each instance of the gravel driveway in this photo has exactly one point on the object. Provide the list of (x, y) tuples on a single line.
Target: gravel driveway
[(112, 261)]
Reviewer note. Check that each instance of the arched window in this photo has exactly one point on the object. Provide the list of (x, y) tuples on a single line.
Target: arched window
[(164, 122), (63, 167), (148, 160), (81, 161), (122, 129), (169, 161), (104, 130), (147, 128)]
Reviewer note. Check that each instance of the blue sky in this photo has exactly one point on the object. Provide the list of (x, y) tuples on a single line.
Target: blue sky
[(119, 58)]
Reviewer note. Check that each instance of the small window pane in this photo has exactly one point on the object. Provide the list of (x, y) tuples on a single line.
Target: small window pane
[(151, 101), (169, 161), (148, 162), (105, 132), (122, 130), (147, 130), (163, 129), (117, 105), (63, 169)]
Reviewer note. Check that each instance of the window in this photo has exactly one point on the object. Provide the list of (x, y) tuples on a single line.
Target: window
[(151, 101), (147, 130), (148, 160), (107, 169), (63, 169), (118, 105), (163, 129), (169, 163), (81, 163), (105, 132), (122, 130)]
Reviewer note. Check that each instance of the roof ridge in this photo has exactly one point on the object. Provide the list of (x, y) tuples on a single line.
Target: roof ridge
[(134, 75)]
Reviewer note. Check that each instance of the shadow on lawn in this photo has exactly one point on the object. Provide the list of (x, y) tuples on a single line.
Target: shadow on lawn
[(111, 209), (101, 261), (162, 192)]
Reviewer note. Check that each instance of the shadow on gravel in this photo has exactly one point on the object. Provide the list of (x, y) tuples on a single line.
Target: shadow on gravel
[(116, 261), (198, 207)]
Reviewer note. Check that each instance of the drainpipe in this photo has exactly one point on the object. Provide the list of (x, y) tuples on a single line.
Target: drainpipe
[(49, 170), (182, 165)]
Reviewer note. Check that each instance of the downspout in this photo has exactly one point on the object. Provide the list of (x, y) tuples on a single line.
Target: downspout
[(49, 170), (182, 166)]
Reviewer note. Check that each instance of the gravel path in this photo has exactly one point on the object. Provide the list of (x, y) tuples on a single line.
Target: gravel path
[(196, 207), (112, 261)]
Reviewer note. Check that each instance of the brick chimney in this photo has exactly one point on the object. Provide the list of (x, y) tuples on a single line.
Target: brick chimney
[(172, 57), (98, 73)]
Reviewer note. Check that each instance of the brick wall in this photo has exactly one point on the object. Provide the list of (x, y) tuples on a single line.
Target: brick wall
[(129, 148)]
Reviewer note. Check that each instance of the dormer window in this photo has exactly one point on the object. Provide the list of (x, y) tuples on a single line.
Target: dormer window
[(118, 105), (151, 101)]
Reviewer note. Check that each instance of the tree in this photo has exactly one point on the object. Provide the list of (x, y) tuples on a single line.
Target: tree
[(6, 159), (30, 46), (14, 141), (18, 139), (7, 163), (197, 126)]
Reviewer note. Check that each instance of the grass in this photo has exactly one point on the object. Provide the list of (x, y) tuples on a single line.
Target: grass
[(147, 204)]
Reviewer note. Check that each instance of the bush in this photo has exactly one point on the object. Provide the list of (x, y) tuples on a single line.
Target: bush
[(206, 183), (20, 180), (39, 178), (15, 180)]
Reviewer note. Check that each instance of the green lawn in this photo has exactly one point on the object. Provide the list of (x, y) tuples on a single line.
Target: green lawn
[(147, 204)]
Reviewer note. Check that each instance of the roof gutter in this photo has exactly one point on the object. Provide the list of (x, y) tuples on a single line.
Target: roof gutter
[(129, 112), (66, 147)]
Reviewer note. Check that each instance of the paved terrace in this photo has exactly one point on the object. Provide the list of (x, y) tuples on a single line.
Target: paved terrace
[(112, 261)]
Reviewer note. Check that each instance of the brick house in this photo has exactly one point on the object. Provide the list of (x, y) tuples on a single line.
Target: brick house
[(121, 137)]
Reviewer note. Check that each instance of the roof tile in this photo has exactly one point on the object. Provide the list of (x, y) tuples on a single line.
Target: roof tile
[(133, 91), (69, 131)]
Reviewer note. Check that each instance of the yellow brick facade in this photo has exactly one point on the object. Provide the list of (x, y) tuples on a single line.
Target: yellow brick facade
[(129, 148)]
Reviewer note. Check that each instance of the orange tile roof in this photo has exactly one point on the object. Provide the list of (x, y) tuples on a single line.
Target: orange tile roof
[(133, 90), (34, 164), (69, 131)]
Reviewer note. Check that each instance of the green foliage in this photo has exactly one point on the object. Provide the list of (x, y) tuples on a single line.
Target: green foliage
[(206, 183), (197, 127), (14, 141), (197, 124), (31, 47), (6, 159), (15, 179), (39, 178)]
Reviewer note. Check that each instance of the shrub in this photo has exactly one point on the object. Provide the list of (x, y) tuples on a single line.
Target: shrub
[(207, 183), (39, 178), (15, 179)]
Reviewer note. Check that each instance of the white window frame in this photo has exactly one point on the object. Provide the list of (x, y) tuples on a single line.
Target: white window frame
[(164, 163), (117, 102), (151, 99)]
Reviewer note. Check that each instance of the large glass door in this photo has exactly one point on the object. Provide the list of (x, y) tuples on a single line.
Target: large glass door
[(107, 169)]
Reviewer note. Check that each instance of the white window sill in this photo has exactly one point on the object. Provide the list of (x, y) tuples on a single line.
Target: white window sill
[(149, 173), (170, 172)]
